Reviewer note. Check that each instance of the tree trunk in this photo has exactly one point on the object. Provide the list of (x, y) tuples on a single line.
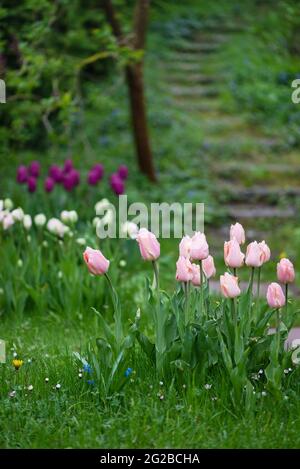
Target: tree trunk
[(135, 83)]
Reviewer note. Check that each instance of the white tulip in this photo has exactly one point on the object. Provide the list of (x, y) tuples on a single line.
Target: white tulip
[(7, 221), (18, 214), (8, 204), (27, 222), (130, 229), (40, 219), (102, 205)]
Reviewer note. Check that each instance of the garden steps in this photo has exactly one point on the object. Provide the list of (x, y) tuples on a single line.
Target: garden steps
[(197, 47), (193, 91), (251, 211), (193, 78), (204, 105), (259, 193)]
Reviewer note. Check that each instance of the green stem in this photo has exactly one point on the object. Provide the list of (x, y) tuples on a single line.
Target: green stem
[(201, 289), (186, 302), (286, 297), (277, 332), (258, 283), (117, 311), (234, 271), (156, 275)]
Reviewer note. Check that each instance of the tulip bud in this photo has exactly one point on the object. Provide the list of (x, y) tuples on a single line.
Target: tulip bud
[(199, 248), (208, 267), (237, 232), (265, 252), (148, 244), (185, 246), (95, 261), (229, 285), (233, 256), (285, 271), (275, 296), (27, 222), (184, 270), (254, 257)]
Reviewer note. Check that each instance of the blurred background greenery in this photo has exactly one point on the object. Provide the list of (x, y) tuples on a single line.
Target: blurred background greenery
[(223, 128)]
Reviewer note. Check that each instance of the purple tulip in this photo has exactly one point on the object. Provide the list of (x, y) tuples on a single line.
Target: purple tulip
[(55, 172), (117, 184), (22, 174), (68, 183), (49, 184), (98, 169), (68, 166), (34, 169), (123, 172), (74, 176), (93, 177), (31, 184)]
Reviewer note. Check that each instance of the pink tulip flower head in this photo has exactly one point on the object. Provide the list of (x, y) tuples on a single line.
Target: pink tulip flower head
[(148, 244), (34, 169), (285, 271), (22, 174), (95, 261), (265, 252), (196, 280), (49, 184), (199, 248), (254, 257), (31, 184), (208, 267), (123, 172), (275, 296), (237, 232), (185, 247), (229, 285), (233, 256), (8, 221), (184, 270)]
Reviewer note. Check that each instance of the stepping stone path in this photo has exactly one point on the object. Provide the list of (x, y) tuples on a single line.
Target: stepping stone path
[(256, 178)]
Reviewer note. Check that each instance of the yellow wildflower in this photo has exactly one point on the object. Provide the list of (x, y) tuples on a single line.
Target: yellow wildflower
[(17, 363)]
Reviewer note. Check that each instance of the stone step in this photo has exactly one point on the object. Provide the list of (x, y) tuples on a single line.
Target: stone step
[(259, 193), (241, 143), (193, 79), (235, 168), (204, 40), (204, 105), (193, 91), (196, 48), (255, 211), (189, 57)]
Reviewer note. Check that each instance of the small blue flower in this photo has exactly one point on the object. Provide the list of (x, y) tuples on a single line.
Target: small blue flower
[(87, 368), (128, 372), (91, 382)]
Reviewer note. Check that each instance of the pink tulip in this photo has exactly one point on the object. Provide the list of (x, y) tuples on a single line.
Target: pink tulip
[(237, 232), (233, 256), (265, 252), (184, 270), (254, 257), (199, 248), (275, 296), (285, 271), (185, 246), (148, 244), (196, 280), (95, 261), (208, 267), (8, 221), (229, 285)]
